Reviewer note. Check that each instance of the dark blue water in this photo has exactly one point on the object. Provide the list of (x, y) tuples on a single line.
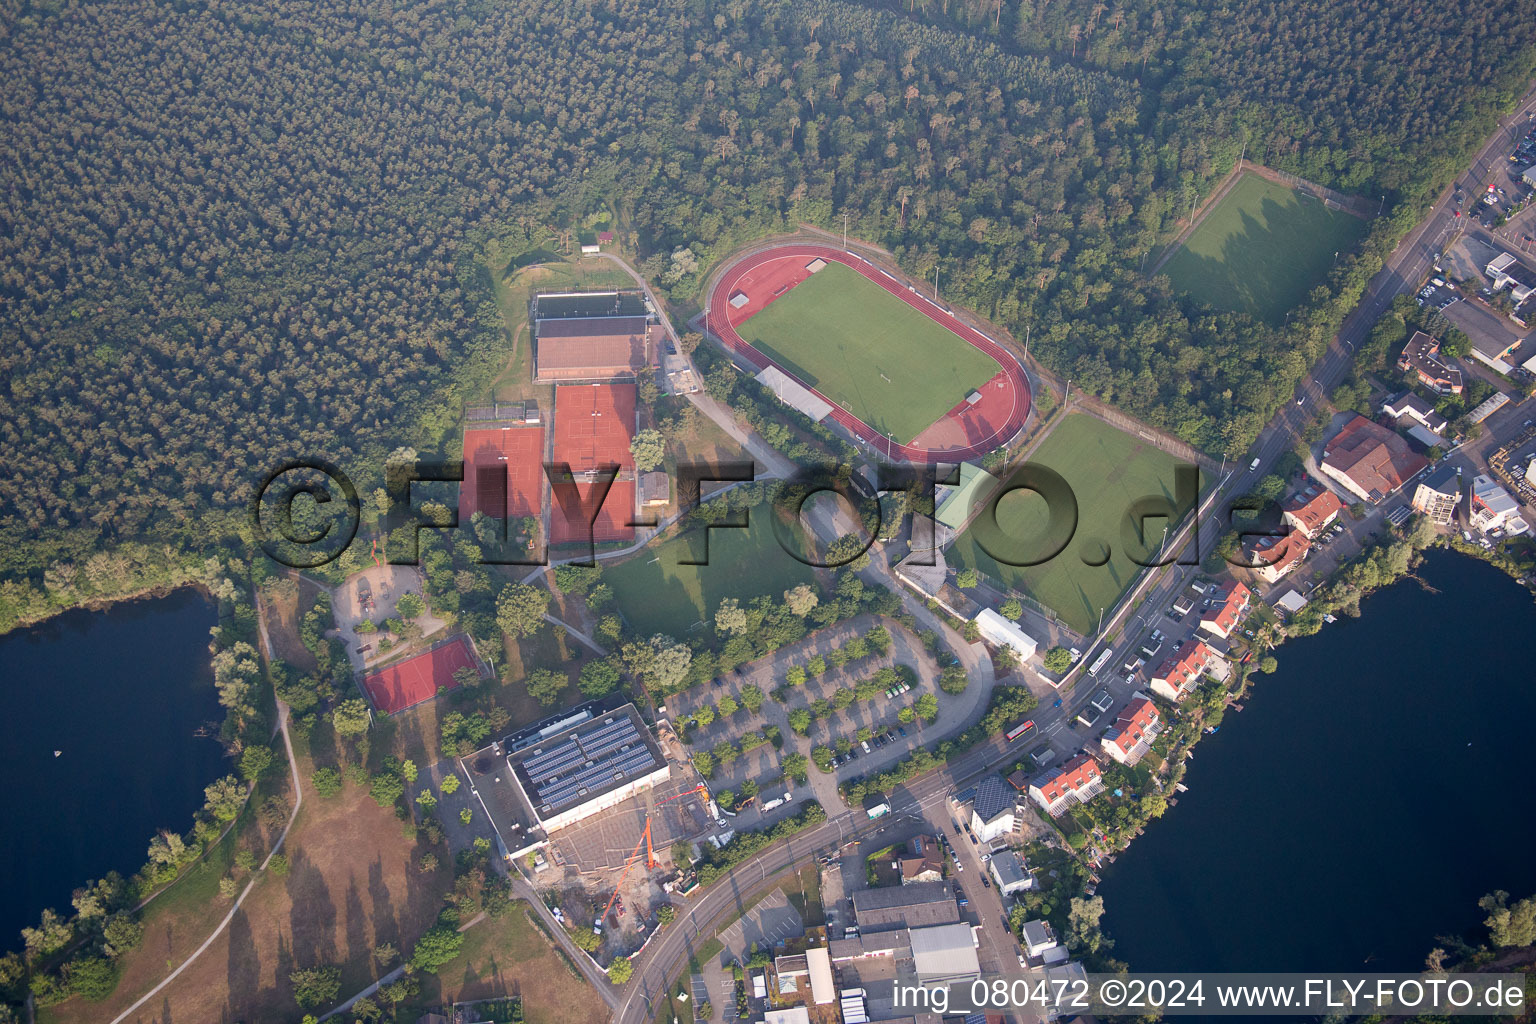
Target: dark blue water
[(121, 694), (1372, 791)]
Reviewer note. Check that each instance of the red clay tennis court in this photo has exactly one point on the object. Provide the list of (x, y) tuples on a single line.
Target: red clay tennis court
[(612, 521), (418, 679), (521, 451), (594, 424)]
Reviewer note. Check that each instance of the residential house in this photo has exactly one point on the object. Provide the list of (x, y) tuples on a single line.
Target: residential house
[(994, 809), (924, 861), (1010, 873), (1312, 510), (1410, 407), (1438, 494), (1128, 740), (1039, 940), (1228, 605), (1182, 670), (1075, 782), (1274, 557), (1369, 460), (1422, 356)]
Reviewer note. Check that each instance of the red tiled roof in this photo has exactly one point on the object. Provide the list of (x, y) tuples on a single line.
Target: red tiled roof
[(1135, 719), (1186, 663), (1231, 600), (1281, 552), (1312, 509), (1076, 774), (1374, 458)]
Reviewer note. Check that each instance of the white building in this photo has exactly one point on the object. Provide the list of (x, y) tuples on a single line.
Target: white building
[(994, 811), (793, 394), (823, 988), (1129, 739), (1493, 508), (1040, 943), (1000, 631), (1010, 873)]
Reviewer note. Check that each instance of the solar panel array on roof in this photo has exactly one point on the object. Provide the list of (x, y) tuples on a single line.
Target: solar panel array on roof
[(587, 761)]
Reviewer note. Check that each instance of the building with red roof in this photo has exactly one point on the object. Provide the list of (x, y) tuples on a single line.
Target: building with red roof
[(1182, 670), (1370, 460), (1076, 782), (1129, 739), (1312, 510), (1227, 606), (1273, 557)]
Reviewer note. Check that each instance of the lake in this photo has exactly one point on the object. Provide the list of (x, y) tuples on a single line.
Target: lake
[(122, 694), (1368, 796)]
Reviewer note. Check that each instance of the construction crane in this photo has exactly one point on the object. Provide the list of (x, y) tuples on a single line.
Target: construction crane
[(650, 854)]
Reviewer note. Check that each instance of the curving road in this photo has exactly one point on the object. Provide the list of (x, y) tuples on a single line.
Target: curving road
[(718, 324), (1402, 273)]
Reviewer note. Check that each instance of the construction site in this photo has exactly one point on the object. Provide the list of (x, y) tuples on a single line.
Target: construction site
[(597, 802)]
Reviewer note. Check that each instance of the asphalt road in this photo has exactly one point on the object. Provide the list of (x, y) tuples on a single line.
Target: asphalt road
[(1404, 269)]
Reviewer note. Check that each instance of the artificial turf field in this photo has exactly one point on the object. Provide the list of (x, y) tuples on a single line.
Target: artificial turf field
[(1108, 470), (657, 594), (868, 351), (1262, 249)]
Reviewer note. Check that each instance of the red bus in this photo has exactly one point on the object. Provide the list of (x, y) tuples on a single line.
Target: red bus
[(1019, 730)]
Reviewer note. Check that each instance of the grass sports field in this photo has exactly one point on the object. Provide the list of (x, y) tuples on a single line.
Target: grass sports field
[(1108, 470), (868, 351), (1262, 249), (657, 594)]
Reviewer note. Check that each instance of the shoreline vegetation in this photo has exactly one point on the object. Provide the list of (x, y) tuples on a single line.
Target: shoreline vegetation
[(1392, 558), (79, 953)]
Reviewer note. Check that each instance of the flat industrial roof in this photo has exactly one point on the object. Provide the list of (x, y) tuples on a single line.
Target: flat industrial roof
[(562, 305), (945, 951), (585, 760)]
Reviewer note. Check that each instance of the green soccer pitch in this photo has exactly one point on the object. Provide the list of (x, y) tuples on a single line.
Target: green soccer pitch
[(868, 351), (1108, 470), (658, 593), (1262, 249)]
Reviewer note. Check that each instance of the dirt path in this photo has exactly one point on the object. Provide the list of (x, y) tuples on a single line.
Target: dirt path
[(298, 801)]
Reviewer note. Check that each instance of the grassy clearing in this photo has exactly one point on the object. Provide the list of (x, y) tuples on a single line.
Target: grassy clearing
[(1262, 249), (868, 351), (1108, 470), (506, 956), (353, 883), (659, 594)]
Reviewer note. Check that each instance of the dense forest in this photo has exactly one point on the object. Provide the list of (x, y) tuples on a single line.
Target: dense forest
[(238, 232)]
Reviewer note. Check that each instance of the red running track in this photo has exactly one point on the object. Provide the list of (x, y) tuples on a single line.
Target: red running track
[(720, 322)]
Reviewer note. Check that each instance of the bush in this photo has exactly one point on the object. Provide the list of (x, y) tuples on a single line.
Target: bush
[(91, 977), (315, 986), (327, 782), (437, 947), (1057, 660)]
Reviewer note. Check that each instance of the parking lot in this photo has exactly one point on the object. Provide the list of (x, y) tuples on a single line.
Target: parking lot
[(769, 923)]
